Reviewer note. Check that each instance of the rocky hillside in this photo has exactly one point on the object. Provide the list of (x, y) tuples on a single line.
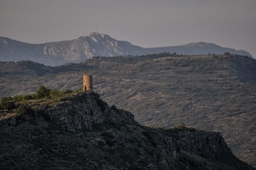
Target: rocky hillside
[(77, 130), (96, 44), (210, 92)]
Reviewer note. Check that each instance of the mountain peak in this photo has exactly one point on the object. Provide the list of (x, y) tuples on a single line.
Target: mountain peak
[(98, 35)]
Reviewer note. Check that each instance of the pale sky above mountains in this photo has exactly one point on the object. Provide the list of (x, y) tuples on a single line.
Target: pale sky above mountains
[(147, 23)]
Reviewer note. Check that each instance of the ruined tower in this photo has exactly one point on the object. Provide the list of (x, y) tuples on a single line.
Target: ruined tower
[(87, 83)]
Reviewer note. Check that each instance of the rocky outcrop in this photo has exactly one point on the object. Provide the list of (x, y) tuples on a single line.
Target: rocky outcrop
[(84, 110), (83, 132), (203, 143)]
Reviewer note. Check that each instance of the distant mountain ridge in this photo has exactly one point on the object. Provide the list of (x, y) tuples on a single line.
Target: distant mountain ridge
[(96, 44)]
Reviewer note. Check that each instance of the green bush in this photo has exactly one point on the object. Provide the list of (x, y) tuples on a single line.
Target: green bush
[(18, 98), (27, 97), (54, 93), (7, 103), (67, 91), (25, 109), (22, 98), (42, 92)]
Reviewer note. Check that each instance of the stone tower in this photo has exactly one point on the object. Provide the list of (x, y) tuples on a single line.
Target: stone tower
[(87, 83)]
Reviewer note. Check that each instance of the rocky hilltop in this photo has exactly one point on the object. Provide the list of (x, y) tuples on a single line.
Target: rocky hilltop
[(96, 44), (78, 130)]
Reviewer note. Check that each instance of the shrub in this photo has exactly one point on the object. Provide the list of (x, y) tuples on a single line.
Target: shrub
[(18, 98), (25, 109), (6, 99), (67, 91), (42, 92), (27, 97), (113, 107), (54, 93), (7, 103), (227, 53)]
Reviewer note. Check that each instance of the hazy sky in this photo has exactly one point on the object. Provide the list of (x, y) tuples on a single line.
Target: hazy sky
[(147, 23)]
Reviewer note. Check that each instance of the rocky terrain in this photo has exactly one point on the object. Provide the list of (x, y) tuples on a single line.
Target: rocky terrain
[(210, 92), (96, 44), (77, 130)]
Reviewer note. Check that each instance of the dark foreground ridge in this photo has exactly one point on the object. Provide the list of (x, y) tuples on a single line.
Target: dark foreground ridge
[(80, 131)]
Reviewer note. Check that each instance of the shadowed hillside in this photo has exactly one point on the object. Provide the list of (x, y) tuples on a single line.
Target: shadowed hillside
[(210, 92), (78, 130)]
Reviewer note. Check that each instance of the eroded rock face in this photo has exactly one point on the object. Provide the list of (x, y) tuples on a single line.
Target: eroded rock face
[(83, 132), (86, 109), (202, 143)]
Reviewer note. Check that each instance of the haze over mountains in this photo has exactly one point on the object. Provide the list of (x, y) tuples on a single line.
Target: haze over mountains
[(96, 44)]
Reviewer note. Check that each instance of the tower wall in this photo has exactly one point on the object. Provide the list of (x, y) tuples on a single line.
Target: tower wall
[(87, 83)]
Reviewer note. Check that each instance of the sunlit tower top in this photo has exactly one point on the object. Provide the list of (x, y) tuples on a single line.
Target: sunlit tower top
[(87, 82)]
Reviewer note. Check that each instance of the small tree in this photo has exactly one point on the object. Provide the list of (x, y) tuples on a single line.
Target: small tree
[(7, 103), (227, 53), (42, 92)]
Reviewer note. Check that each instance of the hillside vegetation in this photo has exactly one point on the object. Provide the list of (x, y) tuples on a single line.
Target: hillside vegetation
[(211, 92)]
